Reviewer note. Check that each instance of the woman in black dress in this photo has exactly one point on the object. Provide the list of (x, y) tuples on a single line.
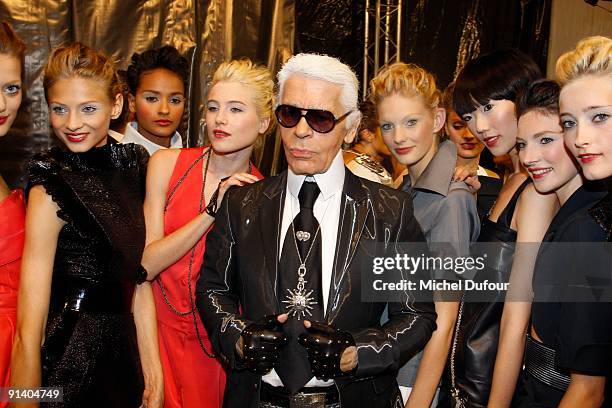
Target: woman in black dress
[(81, 274), (484, 96), (569, 351), (553, 343)]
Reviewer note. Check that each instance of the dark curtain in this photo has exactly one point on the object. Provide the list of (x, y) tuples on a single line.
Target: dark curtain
[(206, 32), (442, 35), (333, 27)]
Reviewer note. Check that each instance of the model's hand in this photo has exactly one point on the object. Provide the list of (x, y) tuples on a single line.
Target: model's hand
[(469, 175), (331, 352), (236, 179), (153, 395), (260, 343)]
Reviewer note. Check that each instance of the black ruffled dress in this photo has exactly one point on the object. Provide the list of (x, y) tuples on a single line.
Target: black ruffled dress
[(90, 347)]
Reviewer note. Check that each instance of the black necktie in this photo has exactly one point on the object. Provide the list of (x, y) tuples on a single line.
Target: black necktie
[(303, 235)]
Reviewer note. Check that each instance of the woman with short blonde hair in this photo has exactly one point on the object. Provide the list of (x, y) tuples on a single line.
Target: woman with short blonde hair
[(410, 115), (184, 189)]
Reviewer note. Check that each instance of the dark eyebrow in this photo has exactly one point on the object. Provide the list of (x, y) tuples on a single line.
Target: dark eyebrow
[(157, 92)]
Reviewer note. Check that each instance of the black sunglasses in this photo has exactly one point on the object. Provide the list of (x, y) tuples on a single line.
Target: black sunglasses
[(319, 120)]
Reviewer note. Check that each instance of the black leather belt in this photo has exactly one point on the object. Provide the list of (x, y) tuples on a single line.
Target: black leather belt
[(308, 397), (540, 364), (95, 299)]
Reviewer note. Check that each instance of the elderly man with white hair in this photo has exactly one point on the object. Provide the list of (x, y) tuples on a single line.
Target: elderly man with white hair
[(279, 291)]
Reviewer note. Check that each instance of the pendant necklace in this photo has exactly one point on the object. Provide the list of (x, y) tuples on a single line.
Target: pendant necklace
[(298, 301)]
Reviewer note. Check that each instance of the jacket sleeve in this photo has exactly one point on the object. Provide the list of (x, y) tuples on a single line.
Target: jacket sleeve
[(410, 323), (217, 295)]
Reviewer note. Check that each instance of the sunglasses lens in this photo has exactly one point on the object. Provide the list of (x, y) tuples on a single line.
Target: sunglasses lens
[(321, 121), (288, 116)]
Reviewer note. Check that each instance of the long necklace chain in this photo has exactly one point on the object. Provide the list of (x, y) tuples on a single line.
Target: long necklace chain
[(302, 268), (192, 308), (299, 302), (192, 255), (460, 401)]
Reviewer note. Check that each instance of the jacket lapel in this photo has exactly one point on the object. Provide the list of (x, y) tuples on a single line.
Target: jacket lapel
[(270, 217), (354, 212)]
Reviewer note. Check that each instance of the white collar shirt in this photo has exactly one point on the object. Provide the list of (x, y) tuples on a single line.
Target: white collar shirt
[(133, 136)]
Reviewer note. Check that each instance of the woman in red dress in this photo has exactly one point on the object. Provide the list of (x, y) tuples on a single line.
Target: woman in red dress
[(12, 208), (184, 187)]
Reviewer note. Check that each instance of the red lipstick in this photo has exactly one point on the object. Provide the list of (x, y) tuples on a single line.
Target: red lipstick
[(3, 119), (588, 157), (539, 172), (220, 134), (76, 137), (491, 141), (468, 146), (403, 150)]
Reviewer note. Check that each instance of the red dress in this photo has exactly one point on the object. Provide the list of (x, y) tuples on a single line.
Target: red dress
[(12, 225), (191, 377)]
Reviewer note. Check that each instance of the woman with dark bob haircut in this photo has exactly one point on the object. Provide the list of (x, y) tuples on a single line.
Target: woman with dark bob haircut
[(484, 97)]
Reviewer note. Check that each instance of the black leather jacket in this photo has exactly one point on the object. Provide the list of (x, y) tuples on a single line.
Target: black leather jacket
[(238, 278)]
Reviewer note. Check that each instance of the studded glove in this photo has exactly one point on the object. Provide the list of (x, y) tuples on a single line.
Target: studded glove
[(325, 346), (262, 341)]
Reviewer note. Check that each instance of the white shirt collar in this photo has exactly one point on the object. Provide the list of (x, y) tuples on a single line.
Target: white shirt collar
[(133, 136), (330, 182)]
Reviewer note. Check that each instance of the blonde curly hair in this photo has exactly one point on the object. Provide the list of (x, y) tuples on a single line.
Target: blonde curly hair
[(406, 79), (592, 55), (256, 77), (78, 60)]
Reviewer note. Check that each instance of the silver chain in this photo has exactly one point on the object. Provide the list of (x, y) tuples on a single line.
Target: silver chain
[(460, 402), (192, 255), (302, 268), (201, 209)]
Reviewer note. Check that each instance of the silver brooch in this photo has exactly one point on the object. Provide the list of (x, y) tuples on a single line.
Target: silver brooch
[(302, 235), (299, 303)]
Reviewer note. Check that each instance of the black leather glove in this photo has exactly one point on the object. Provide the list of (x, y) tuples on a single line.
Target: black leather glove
[(261, 342), (325, 346)]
